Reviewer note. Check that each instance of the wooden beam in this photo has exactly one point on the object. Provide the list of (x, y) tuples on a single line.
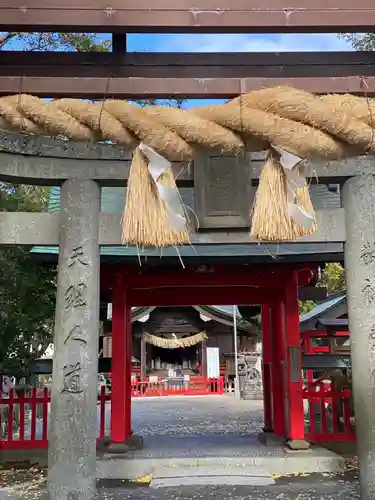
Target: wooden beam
[(20, 228), (271, 277), (332, 325), (119, 42), (216, 275), (248, 16), (120, 64), (198, 296), (218, 295), (187, 88), (314, 293), (162, 278)]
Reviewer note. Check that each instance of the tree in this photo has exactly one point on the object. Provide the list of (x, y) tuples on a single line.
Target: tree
[(360, 41), (27, 290), (333, 277), (306, 306), (80, 42)]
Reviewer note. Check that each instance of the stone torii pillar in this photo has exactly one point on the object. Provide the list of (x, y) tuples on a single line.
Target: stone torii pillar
[(359, 202), (73, 422)]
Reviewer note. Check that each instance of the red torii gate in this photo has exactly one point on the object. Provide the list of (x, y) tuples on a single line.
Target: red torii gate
[(275, 287)]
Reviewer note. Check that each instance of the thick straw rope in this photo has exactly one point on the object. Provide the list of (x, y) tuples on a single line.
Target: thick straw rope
[(313, 128), (175, 343)]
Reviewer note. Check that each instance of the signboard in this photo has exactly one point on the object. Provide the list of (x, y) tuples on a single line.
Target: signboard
[(213, 363)]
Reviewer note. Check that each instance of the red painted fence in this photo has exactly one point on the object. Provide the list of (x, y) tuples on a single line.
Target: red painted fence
[(195, 386), (330, 416), (24, 417)]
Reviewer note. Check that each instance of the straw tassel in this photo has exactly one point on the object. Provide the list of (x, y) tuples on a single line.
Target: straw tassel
[(146, 221), (303, 200), (270, 219)]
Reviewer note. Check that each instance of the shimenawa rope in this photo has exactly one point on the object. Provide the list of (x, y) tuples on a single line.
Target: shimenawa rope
[(176, 343), (280, 119)]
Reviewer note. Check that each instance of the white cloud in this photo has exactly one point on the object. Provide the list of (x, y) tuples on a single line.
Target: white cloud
[(252, 43)]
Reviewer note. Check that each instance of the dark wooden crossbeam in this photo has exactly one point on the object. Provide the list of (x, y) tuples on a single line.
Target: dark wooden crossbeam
[(219, 16), (134, 88), (186, 65), (331, 326), (220, 75), (317, 294), (119, 42)]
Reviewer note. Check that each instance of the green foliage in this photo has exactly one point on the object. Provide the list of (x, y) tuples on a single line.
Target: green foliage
[(306, 306), (80, 42), (333, 277), (360, 41), (27, 290)]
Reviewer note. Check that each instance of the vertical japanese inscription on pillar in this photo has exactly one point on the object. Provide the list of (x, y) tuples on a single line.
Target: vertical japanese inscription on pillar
[(367, 254), (367, 257), (72, 378), (75, 298)]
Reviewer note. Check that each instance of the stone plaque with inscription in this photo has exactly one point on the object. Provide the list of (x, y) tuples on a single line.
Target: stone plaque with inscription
[(223, 191)]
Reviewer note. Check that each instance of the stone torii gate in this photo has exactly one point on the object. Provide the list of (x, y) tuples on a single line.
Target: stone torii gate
[(80, 228)]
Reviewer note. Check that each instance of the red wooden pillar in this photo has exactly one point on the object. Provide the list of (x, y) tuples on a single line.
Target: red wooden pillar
[(294, 400), (266, 367), (121, 362), (278, 367)]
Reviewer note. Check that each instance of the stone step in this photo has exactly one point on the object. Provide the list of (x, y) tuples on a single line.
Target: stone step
[(4, 493), (209, 479), (210, 470), (316, 460)]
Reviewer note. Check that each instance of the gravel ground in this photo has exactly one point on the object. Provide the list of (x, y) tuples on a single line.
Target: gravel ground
[(188, 416), (308, 488), (196, 417), (205, 416)]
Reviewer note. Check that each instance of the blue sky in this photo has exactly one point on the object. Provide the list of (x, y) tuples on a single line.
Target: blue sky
[(236, 43)]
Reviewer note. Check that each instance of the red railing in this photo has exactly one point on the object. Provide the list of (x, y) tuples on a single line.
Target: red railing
[(194, 386), (309, 348), (330, 416), (24, 416)]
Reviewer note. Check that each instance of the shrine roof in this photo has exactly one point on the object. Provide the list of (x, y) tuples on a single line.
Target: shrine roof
[(331, 308), (219, 313)]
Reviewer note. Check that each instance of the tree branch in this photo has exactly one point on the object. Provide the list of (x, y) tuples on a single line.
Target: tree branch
[(4, 39)]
